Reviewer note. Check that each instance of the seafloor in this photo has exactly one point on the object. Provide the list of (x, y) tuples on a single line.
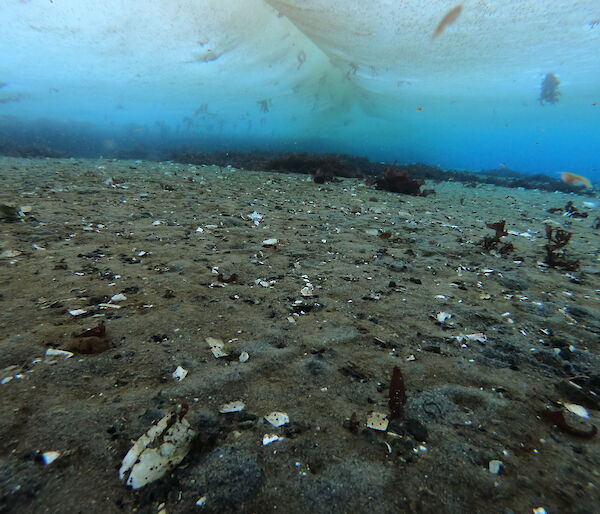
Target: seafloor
[(351, 289)]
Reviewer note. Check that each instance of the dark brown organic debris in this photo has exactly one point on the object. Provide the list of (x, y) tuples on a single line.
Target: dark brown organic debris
[(397, 394), (557, 418)]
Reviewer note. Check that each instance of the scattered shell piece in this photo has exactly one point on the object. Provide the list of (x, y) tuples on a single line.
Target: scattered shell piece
[(53, 352), (77, 312), (200, 502), (442, 317), (277, 419), (216, 347), (118, 298), (270, 242), (539, 510), (256, 217), (271, 438), (495, 466), (7, 254), (180, 373), (161, 448), (307, 291), (26, 209), (235, 406), (244, 357), (477, 337), (50, 457), (578, 410), (377, 421), (108, 306)]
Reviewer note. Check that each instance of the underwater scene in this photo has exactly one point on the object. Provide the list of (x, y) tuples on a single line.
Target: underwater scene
[(299, 256)]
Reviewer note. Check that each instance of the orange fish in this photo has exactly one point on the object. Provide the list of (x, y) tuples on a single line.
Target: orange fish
[(572, 178), (450, 18)]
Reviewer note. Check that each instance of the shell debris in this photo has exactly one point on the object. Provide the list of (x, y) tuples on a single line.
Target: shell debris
[(277, 419), (377, 421), (235, 406)]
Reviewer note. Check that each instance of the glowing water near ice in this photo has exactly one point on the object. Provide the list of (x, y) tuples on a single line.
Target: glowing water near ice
[(323, 75)]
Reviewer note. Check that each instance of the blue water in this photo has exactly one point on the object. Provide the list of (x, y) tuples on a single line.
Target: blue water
[(99, 78)]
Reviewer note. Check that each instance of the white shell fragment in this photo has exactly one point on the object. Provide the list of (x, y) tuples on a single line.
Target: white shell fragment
[(50, 457), (77, 312), (270, 242), (442, 317), (277, 419), (256, 217), (216, 347), (271, 438), (52, 352), (118, 298), (377, 421), (578, 410), (244, 357), (157, 451), (495, 466), (477, 338), (7, 254), (236, 406), (180, 373), (307, 291), (200, 502)]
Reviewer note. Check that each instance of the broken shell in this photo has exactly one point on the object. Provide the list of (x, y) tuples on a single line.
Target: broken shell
[(157, 451), (77, 312), (180, 373), (271, 438), (578, 410), (495, 466), (442, 317), (236, 406), (7, 254), (270, 242), (477, 337), (52, 352), (307, 291), (118, 298), (50, 457), (277, 419), (377, 421), (216, 347), (244, 357)]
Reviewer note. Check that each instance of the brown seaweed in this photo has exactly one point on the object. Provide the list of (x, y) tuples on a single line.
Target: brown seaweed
[(558, 239), (494, 242), (549, 89)]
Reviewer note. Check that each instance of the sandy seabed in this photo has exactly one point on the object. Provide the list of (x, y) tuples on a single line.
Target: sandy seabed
[(358, 281)]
